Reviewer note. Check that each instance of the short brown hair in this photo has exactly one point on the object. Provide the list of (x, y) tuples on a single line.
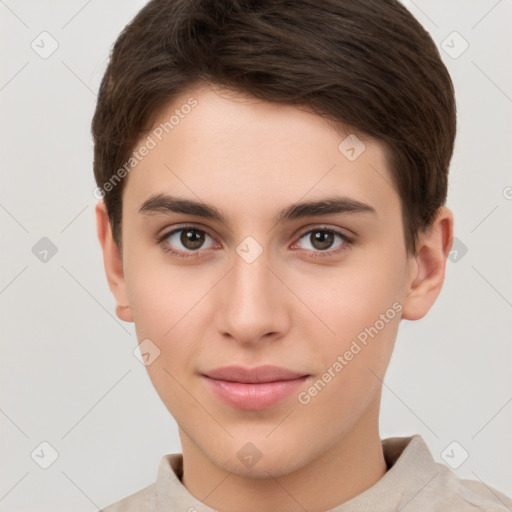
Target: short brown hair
[(367, 65)]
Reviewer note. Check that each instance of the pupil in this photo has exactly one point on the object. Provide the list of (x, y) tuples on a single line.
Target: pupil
[(322, 239), (192, 239)]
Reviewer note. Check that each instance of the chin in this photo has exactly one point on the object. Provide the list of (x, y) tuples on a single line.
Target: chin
[(251, 460)]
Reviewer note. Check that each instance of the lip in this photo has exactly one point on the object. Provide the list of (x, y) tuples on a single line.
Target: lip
[(256, 375), (253, 388)]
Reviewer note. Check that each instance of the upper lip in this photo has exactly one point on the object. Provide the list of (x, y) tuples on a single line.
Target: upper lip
[(265, 373)]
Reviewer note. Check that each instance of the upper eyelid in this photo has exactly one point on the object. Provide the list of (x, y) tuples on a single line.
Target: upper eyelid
[(171, 231), (343, 232)]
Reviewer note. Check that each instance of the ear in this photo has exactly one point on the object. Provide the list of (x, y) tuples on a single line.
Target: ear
[(427, 266), (113, 263)]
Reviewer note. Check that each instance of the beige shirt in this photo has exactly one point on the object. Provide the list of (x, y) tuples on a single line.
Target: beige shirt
[(414, 483)]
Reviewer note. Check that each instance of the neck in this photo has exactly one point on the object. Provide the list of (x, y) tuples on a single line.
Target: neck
[(344, 470)]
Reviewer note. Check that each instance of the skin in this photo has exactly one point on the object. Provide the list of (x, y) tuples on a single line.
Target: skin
[(251, 159)]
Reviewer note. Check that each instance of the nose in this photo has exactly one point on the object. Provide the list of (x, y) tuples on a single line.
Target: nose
[(253, 303)]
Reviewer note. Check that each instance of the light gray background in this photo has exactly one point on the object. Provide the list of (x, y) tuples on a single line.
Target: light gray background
[(68, 373)]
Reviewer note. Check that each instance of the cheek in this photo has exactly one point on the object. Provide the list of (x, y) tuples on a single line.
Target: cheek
[(354, 298), (361, 305), (165, 302), (164, 316), (364, 313), (161, 296)]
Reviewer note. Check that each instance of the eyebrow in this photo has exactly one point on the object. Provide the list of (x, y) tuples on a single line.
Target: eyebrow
[(162, 203)]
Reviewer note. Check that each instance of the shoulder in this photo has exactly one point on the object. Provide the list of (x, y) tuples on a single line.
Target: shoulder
[(140, 501), (167, 483), (447, 491), (425, 485), (468, 494)]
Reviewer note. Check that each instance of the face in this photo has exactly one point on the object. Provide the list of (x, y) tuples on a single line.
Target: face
[(316, 291)]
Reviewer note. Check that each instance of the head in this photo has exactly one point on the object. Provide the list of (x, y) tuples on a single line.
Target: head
[(240, 112)]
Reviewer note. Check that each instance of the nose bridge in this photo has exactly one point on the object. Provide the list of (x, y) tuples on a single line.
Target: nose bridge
[(252, 303), (250, 278)]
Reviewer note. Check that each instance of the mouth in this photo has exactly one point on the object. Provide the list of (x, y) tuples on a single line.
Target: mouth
[(254, 388)]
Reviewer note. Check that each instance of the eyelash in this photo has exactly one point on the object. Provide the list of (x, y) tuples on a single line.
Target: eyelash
[(347, 242)]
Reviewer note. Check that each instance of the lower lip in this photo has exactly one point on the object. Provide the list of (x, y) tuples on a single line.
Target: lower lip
[(254, 396)]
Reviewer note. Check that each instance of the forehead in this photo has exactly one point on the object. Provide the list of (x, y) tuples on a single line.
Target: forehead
[(226, 148)]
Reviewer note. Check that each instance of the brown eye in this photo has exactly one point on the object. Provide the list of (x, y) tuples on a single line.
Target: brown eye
[(324, 242), (321, 239), (192, 238), (187, 239)]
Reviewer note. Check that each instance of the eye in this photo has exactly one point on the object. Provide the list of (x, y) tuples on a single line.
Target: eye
[(189, 241), (186, 241), (324, 240)]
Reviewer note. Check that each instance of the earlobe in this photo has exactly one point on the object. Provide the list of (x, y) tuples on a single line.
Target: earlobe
[(113, 263), (124, 313), (428, 266)]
